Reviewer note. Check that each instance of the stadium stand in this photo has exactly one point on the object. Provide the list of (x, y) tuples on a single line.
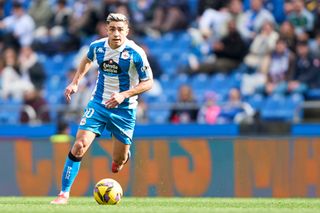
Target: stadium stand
[(173, 50)]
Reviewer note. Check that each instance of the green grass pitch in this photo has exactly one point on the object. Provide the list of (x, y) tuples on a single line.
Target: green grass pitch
[(163, 205)]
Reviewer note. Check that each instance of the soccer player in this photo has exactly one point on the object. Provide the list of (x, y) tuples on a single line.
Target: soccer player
[(123, 73)]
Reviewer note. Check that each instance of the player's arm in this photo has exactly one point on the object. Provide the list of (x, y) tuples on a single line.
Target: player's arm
[(118, 98), (83, 68), (140, 88)]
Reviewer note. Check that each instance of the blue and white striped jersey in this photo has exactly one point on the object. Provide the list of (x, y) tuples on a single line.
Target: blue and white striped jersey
[(119, 70)]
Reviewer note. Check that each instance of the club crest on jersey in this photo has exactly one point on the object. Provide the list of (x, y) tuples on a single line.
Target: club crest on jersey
[(83, 121), (110, 66), (125, 55)]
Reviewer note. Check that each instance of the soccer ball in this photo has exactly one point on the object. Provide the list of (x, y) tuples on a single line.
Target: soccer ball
[(107, 192)]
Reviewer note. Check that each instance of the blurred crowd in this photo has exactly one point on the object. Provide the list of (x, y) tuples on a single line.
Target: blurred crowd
[(273, 44)]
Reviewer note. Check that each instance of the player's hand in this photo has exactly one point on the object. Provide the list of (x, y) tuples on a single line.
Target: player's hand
[(70, 89), (115, 100)]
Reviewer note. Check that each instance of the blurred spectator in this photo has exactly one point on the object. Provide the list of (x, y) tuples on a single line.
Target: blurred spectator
[(278, 68), (61, 18), (287, 33), (235, 9), (35, 109), (229, 53), (316, 27), (17, 27), (185, 110), (235, 110), (252, 20), (300, 17), (306, 72), (2, 66), (101, 31), (41, 12), (205, 4), (276, 7), (109, 6), (14, 81), (142, 12), (84, 18), (210, 111), (311, 5), (29, 63), (252, 82), (170, 15), (57, 37), (62, 133), (213, 24), (262, 45), (315, 46), (212, 27), (2, 9)]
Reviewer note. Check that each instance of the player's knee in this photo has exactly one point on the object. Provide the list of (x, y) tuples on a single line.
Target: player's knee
[(78, 148)]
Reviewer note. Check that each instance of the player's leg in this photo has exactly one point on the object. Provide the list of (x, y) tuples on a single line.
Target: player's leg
[(83, 141), (121, 125), (120, 155)]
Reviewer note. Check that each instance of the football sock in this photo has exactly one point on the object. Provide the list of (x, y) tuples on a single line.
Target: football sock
[(70, 171)]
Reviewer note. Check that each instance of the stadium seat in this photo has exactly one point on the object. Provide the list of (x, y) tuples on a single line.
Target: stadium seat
[(171, 95), (280, 108), (166, 63), (10, 112), (169, 82), (220, 84), (200, 81), (168, 37), (56, 64), (158, 116), (256, 101), (193, 8), (313, 94), (151, 99), (294, 103), (235, 79)]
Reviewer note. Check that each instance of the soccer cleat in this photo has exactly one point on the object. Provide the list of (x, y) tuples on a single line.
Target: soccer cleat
[(115, 168), (62, 198)]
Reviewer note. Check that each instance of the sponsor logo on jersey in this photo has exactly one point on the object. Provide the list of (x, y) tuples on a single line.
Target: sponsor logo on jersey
[(125, 55), (110, 66)]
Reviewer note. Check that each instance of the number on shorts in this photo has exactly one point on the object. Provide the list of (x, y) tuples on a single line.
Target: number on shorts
[(88, 112)]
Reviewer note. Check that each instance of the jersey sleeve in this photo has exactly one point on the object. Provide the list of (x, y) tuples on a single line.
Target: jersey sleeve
[(91, 52), (142, 65)]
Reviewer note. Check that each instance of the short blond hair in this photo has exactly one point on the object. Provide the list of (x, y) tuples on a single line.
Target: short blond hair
[(117, 17)]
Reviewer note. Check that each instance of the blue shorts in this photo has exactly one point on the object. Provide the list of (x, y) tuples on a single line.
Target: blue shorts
[(120, 122)]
